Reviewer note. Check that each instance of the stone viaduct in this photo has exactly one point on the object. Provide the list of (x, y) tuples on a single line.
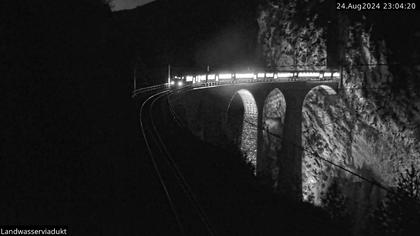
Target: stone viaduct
[(263, 119)]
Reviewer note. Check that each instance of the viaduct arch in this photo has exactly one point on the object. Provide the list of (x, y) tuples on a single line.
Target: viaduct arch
[(243, 122), (277, 119)]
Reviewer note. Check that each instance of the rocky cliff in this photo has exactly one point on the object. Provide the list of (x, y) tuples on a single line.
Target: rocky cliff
[(369, 131)]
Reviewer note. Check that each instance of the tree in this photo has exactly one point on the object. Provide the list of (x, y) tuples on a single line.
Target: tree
[(334, 202), (399, 213)]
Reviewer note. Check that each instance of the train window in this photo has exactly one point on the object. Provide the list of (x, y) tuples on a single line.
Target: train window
[(225, 76), (284, 75), (244, 75), (201, 78), (308, 74)]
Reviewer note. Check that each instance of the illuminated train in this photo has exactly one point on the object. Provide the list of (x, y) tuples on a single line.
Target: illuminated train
[(231, 78)]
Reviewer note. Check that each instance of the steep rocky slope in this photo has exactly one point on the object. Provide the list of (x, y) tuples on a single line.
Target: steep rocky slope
[(371, 126)]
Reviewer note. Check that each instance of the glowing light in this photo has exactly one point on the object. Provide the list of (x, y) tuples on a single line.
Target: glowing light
[(284, 75), (201, 77), (248, 135), (172, 82), (308, 74), (180, 83), (255, 76), (244, 76), (225, 76)]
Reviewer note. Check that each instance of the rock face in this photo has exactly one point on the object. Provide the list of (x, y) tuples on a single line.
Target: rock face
[(370, 128), (306, 50)]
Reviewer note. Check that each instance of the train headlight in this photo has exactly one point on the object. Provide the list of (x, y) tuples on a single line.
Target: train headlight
[(172, 82), (180, 83)]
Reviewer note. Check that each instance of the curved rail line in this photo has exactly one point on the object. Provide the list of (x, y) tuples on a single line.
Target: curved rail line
[(180, 177), (151, 136), (148, 89), (155, 165)]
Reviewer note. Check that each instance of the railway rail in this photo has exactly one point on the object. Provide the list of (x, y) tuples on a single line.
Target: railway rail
[(186, 209)]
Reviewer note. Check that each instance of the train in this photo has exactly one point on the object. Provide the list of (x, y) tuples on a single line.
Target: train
[(232, 78)]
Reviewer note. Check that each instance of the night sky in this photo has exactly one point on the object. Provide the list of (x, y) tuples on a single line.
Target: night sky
[(128, 4)]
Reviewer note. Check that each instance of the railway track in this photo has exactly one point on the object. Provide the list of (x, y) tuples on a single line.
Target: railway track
[(187, 211)]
